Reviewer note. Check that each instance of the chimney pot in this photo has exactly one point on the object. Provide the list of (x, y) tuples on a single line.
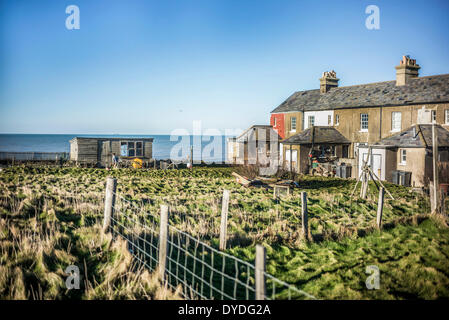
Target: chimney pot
[(328, 80), (406, 70)]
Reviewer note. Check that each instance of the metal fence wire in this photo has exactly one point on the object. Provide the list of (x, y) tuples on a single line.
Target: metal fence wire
[(201, 271)]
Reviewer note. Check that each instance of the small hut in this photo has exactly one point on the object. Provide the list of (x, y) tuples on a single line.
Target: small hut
[(100, 150)]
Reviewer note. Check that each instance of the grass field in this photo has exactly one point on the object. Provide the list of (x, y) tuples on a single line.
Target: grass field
[(51, 216)]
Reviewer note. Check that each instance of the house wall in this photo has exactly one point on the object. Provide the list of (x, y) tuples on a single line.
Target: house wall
[(287, 122), (280, 123), (85, 150), (416, 164), (379, 121), (321, 118), (148, 149), (390, 163)]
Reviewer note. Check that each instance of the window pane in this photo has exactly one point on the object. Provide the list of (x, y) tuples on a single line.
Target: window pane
[(293, 123), (130, 145), (139, 144), (364, 121), (396, 121), (124, 149), (311, 121), (131, 152), (139, 152)]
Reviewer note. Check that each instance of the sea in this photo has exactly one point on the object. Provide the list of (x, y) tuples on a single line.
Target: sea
[(207, 148)]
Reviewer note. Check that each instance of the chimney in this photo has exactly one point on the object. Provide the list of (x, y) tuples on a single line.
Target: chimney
[(406, 70), (328, 80)]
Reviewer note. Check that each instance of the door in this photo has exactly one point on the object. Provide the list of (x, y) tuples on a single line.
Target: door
[(376, 165), (105, 153), (294, 160)]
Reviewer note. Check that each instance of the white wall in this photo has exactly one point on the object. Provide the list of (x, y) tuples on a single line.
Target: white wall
[(321, 118)]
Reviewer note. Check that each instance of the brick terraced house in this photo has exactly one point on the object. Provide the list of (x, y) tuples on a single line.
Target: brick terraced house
[(363, 114)]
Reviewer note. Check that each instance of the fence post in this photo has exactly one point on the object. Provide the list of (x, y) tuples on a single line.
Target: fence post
[(304, 215), (432, 197), (224, 219), (261, 256), (163, 238), (380, 207), (109, 202)]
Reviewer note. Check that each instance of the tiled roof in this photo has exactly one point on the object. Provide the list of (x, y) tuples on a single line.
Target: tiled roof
[(419, 136), (321, 135), (420, 90)]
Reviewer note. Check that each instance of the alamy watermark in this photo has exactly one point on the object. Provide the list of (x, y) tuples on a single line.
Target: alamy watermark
[(73, 280), (372, 22), (73, 20), (259, 145), (373, 280)]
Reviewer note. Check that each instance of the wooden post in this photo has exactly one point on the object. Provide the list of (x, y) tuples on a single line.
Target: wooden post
[(432, 197), (364, 185), (224, 219), (380, 207), (261, 256), (154, 164), (435, 168), (304, 215), (163, 237), (109, 202), (191, 157)]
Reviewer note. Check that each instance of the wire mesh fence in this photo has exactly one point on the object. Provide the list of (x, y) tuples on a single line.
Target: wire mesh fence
[(201, 271)]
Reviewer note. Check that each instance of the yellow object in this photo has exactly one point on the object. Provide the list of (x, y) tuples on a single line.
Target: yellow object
[(137, 163)]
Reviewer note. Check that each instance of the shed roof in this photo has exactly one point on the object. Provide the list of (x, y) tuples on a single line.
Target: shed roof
[(113, 138), (321, 135), (417, 136), (251, 133), (421, 90)]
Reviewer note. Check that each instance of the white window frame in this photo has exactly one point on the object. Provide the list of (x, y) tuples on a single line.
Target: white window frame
[(311, 121), (337, 119), (446, 116), (274, 121), (362, 121), (433, 116), (292, 129), (394, 122), (403, 154), (131, 145)]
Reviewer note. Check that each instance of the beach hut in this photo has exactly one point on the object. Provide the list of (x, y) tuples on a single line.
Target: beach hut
[(100, 150)]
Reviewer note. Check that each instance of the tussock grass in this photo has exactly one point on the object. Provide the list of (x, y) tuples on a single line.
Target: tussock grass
[(41, 237), (63, 207)]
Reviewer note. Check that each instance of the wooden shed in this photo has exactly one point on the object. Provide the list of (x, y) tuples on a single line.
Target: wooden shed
[(100, 150)]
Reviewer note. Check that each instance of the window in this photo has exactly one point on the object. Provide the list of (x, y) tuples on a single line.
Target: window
[(395, 121), (329, 120), (337, 119), (446, 116), (274, 122), (403, 156), (345, 152), (131, 149), (364, 122), (434, 115), (311, 121), (293, 124)]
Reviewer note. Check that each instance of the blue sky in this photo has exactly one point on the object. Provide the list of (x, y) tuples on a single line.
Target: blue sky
[(148, 67)]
